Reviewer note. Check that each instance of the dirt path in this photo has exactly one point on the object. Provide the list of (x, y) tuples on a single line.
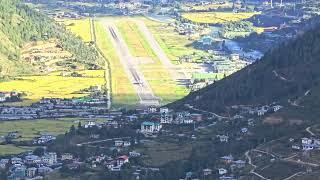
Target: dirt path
[(279, 76), (254, 166), (132, 70), (175, 72)]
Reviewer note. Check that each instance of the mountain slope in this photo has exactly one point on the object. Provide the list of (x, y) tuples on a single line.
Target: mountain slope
[(20, 25), (283, 74)]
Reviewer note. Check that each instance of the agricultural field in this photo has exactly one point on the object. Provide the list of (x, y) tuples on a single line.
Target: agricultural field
[(207, 7), (123, 93), (53, 85), (217, 17), (11, 149), (173, 44), (80, 27), (157, 76), (32, 128)]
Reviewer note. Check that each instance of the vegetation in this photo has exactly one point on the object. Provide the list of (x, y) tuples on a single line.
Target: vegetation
[(123, 93), (53, 85), (80, 27), (173, 44), (217, 17), (157, 76), (20, 24), (284, 73)]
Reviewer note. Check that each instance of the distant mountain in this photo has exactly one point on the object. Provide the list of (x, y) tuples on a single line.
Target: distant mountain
[(288, 74), (20, 25)]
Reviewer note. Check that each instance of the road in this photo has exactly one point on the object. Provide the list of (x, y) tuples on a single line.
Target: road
[(140, 84), (254, 166), (176, 73)]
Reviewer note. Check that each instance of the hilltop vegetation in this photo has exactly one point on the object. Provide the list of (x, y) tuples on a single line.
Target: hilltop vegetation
[(284, 74), (20, 25)]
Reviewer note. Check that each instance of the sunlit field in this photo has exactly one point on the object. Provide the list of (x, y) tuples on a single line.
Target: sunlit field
[(156, 74), (53, 85), (217, 17), (80, 27), (123, 93)]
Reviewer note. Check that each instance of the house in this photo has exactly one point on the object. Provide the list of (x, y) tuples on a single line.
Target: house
[(32, 159), (164, 110), (152, 109), (207, 172), (3, 163), (222, 171), (31, 172), (16, 160), (90, 124), (50, 158), (126, 143), (122, 160), (183, 118), (150, 127), (166, 118), (240, 163), (44, 170), (296, 147), (227, 159), (276, 108), (118, 143), (244, 130), (196, 117), (134, 154), (223, 138), (66, 156), (18, 171), (206, 40)]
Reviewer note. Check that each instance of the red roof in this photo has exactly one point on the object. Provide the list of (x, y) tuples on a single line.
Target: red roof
[(124, 157)]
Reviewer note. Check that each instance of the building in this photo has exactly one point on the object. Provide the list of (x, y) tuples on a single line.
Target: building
[(31, 172), (122, 160), (207, 172), (222, 171), (166, 118), (223, 138), (150, 127), (66, 156), (32, 159), (206, 40)]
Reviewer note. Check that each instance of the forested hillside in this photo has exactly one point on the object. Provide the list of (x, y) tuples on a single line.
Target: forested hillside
[(19, 25), (284, 75)]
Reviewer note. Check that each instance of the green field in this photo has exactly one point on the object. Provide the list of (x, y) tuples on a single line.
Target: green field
[(173, 44), (123, 93), (157, 76)]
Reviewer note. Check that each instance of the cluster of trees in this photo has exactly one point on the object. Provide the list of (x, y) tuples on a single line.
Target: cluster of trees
[(297, 61), (20, 24), (240, 26)]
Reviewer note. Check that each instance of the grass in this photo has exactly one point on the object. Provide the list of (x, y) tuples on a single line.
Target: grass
[(11, 149), (217, 17), (123, 93), (53, 85), (160, 153), (157, 76), (80, 27), (32, 128), (173, 44)]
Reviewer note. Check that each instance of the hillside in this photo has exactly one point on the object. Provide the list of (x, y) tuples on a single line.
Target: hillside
[(283, 75), (21, 28)]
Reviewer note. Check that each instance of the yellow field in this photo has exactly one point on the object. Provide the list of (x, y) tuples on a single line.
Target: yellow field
[(123, 93), (157, 76), (80, 27), (217, 17), (53, 85)]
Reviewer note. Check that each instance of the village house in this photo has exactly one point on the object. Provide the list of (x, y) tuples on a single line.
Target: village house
[(223, 138), (31, 172), (207, 172), (227, 159), (150, 127), (166, 117), (32, 159), (152, 109), (3, 163), (134, 154), (66, 156), (122, 160), (222, 171)]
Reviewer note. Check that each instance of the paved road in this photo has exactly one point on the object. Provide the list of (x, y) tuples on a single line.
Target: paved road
[(175, 72), (131, 68)]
